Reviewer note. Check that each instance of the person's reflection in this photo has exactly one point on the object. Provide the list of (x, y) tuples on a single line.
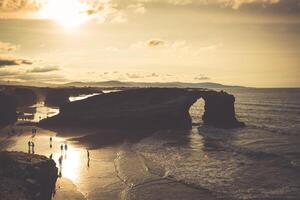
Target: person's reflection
[(60, 172), (60, 166), (32, 145)]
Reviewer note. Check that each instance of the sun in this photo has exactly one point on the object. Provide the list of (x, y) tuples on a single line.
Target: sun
[(68, 13)]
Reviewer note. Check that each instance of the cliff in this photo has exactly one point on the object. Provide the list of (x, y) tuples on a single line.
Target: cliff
[(60, 96), (26, 176), (147, 109), (24, 97), (8, 108)]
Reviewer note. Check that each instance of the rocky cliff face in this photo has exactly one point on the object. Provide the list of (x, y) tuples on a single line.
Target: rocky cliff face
[(26, 176), (60, 96), (147, 109), (8, 108), (131, 109), (219, 110), (24, 97)]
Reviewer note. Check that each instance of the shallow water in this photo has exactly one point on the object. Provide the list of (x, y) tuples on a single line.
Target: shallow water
[(261, 161)]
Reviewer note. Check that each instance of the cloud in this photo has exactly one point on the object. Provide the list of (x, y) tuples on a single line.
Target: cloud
[(235, 4), (6, 47), (155, 43), (134, 76), (138, 8), (43, 69), (14, 62), (201, 77)]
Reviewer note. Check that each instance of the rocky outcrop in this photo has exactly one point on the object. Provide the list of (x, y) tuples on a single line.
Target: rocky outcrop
[(131, 109), (56, 98), (59, 96), (147, 109), (26, 176), (24, 97), (219, 110), (8, 108)]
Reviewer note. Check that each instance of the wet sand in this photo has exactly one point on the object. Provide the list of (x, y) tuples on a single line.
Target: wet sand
[(112, 172)]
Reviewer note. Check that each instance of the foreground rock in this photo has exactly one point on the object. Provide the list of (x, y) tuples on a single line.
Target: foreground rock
[(26, 176), (147, 109), (8, 107)]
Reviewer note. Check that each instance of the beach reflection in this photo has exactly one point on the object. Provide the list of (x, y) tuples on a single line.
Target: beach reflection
[(71, 164), (36, 112), (72, 158)]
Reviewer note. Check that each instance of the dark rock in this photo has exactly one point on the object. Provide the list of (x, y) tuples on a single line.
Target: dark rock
[(24, 97), (60, 96), (147, 109), (19, 178), (56, 98), (8, 108), (219, 110)]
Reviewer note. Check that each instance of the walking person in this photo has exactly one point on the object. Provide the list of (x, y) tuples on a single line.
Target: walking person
[(66, 147), (29, 147), (88, 154), (61, 148)]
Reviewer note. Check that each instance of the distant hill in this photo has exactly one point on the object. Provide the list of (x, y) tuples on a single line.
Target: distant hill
[(150, 84)]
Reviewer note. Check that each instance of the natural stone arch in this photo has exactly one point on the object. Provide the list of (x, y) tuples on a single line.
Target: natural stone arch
[(147, 108)]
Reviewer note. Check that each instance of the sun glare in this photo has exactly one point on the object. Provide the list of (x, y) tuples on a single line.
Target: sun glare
[(68, 13)]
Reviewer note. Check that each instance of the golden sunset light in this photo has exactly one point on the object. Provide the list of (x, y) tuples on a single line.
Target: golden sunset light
[(149, 99), (68, 13)]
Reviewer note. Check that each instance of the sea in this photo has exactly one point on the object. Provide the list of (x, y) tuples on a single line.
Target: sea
[(259, 161)]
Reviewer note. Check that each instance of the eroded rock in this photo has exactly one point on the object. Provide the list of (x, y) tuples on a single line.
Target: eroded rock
[(20, 179), (147, 109)]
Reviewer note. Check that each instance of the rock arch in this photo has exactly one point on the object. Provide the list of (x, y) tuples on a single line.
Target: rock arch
[(147, 108)]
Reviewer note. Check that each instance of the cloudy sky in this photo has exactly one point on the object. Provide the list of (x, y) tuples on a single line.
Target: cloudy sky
[(238, 42)]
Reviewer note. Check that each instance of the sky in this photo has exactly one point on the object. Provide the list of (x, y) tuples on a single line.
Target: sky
[(236, 42)]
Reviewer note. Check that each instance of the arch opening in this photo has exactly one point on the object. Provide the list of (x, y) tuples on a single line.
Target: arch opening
[(196, 112)]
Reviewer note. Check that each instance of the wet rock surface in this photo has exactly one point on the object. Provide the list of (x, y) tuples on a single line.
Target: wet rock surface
[(26, 176), (147, 109)]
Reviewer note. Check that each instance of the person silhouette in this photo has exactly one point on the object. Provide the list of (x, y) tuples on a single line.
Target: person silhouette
[(66, 147), (29, 147), (50, 142), (51, 156), (88, 153), (61, 147)]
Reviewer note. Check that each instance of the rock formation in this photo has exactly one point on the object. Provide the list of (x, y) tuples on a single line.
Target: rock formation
[(24, 97), (147, 109), (56, 98), (219, 110), (26, 176), (59, 96), (8, 108)]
